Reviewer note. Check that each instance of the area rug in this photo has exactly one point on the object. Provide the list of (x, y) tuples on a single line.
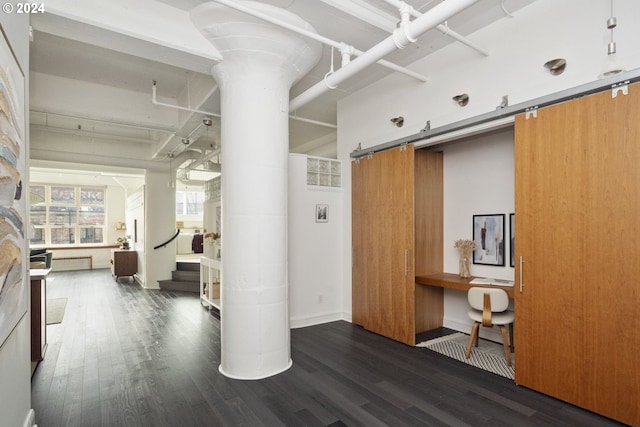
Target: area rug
[(55, 310), (488, 356)]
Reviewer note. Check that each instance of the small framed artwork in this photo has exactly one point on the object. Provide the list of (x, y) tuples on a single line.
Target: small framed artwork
[(322, 213), (512, 239), (488, 234)]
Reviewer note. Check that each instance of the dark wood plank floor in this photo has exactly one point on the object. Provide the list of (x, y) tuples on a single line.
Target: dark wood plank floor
[(124, 356)]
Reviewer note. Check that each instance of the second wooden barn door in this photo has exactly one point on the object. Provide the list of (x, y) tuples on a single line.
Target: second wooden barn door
[(577, 207)]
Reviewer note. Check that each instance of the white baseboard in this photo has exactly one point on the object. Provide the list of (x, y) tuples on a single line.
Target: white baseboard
[(315, 319)]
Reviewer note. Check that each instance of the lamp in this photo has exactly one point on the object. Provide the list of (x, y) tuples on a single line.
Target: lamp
[(612, 65), (556, 66), (462, 99), (398, 121), (172, 180)]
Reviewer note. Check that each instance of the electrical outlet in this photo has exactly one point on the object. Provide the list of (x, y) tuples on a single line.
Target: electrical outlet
[(320, 299)]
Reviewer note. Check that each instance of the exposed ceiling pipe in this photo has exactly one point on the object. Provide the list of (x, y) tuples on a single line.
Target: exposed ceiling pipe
[(177, 107), (67, 157), (399, 39), (406, 8), (315, 122), (155, 101), (317, 37), (106, 122)]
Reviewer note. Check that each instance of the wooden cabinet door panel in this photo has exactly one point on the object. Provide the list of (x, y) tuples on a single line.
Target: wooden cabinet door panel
[(577, 204)]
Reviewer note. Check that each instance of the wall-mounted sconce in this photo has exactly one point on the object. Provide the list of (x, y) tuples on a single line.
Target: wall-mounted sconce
[(462, 99), (398, 121), (556, 66)]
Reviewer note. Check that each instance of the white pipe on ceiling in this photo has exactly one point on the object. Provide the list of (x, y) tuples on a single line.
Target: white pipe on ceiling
[(401, 5), (317, 37), (177, 107), (155, 101), (400, 38)]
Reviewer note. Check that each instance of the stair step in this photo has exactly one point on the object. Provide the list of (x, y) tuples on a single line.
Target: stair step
[(188, 266), (174, 285), (185, 276)]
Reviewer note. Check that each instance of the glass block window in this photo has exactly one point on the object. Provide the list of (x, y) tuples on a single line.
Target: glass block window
[(324, 172)]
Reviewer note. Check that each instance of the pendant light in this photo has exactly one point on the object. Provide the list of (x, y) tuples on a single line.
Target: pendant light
[(172, 181), (612, 65)]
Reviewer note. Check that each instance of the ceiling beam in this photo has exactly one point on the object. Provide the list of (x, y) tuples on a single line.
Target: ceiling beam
[(145, 28)]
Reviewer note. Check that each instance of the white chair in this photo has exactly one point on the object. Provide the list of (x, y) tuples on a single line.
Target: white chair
[(489, 307)]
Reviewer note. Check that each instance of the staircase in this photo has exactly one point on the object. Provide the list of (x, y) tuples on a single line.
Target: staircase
[(185, 279)]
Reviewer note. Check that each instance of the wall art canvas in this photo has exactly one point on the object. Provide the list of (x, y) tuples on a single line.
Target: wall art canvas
[(488, 234), (13, 283)]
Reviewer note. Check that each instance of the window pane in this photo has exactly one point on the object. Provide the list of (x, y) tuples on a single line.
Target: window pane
[(63, 195), (194, 202), (62, 215), (38, 214), (92, 196), (91, 235), (179, 202), (91, 215), (37, 194), (37, 236), (61, 236)]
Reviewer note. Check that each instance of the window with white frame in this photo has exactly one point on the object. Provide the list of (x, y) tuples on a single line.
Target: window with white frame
[(67, 215), (189, 202)]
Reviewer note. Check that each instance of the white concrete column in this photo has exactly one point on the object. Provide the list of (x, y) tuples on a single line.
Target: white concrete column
[(158, 226), (260, 64)]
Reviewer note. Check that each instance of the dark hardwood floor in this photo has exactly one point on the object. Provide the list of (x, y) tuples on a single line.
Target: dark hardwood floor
[(124, 356)]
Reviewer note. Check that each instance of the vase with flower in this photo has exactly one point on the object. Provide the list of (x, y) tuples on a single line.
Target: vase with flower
[(465, 249)]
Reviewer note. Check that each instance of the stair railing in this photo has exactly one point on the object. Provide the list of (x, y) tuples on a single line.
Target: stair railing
[(168, 241)]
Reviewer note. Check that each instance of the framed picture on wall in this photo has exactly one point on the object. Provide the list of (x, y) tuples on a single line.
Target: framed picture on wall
[(512, 240), (488, 234), (322, 213)]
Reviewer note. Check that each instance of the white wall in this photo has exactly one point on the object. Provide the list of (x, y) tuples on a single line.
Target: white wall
[(478, 180), (315, 257), (519, 47), (15, 353)]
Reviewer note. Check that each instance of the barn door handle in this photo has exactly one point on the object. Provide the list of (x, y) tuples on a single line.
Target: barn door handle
[(406, 262), (521, 285)]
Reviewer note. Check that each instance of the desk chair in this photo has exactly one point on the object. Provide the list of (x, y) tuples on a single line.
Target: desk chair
[(489, 308)]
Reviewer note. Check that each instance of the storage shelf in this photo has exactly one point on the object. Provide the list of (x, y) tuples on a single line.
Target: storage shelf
[(207, 268)]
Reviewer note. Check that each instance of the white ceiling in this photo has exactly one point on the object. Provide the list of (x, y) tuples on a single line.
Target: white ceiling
[(87, 54)]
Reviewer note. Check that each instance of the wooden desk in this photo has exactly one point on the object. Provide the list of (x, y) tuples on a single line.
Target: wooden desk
[(430, 299), (454, 281)]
